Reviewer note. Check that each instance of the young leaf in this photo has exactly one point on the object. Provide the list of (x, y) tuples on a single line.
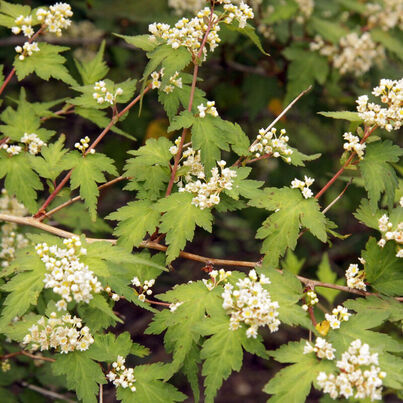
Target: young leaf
[(82, 374), (136, 220), (95, 69), (293, 383), (280, 231), (326, 275), (21, 181), (183, 121), (291, 263), (87, 172), (50, 165), (244, 187), (45, 64), (180, 220), (383, 269), (9, 12), (107, 347), (298, 158), (140, 41), (250, 32), (149, 387), (346, 115), (375, 165), (367, 216)]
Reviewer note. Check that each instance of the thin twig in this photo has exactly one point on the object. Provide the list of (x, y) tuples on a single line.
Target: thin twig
[(37, 357), (186, 255), (325, 210), (64, 111), (114, 120), (77, 198), (48, 393), (101, 393)]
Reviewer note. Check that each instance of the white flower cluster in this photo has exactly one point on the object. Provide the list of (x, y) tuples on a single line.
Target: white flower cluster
[(64, 334), (311, 299), (5, 365), (354, 54), (355, 277), (386, 228), (190, 32), (303, 186), (249, 302), (359, 375), (115, 297), (210, 109), (390, 118), (33, 142), (207, 194), (322, 348), (145, 288), (23, 24), (120, 375), (83, 145), (102, 95), (387, 16), (56, 18), (12, 150), (193, 6), (339, 314), (216, 277), (175, 81), (27, 50), (353, 144), (267, 142), (67, 276), (306, 9), (11, 241)]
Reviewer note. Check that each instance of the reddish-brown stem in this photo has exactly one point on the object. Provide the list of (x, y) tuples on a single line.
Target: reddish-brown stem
[(64, 111), (191, 97), (77, 198), (12, 72), (3, 141), (262, 157), (22, 352), (312, 315), (59, 187), (157, 302), (368, 132)]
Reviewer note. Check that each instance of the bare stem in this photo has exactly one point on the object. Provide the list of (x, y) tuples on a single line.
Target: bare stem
[(185, 255), (47, 393)]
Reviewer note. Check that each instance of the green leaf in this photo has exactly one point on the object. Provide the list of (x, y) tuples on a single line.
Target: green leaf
[(23, 120), (326, 275), (45, 64), (136, 220), (375, 165), (82, 374), (23, 289), (244, 187), (280, 231), (180, 220), (9, 12), (383, 269), (375, 304), (149, 387), (150, 170), (390, 41), (346, 115), (291, 263), (305, 68), (182, 334), (367, 216), (183, 121), (87, 172), (283, 11), (95, 69), (354, 5), (249, 32), (298, 158), (222, 353), (293, 383), (329, 30), (139, 41), (50, 165), (107, 347), (287, 290), (21, 181)]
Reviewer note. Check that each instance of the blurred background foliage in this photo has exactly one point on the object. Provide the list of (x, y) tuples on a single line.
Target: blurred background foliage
[(249, 88)]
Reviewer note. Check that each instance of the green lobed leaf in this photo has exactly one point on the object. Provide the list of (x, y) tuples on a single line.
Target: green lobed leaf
[(244, 187), (367, 216), (180, 220), (136, 220), (82, 374), (95, 69), (292, 263), (280, 230), (326, 275), (249, 32), (298, 158), (45, 64), (183, 121), (375, 165), (87, 172), (9, 12), (21, 181), (383, 269)]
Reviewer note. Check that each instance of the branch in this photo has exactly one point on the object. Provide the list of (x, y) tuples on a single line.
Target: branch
[(114, 120), (47, 393), (186, 255), (77, 198)]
